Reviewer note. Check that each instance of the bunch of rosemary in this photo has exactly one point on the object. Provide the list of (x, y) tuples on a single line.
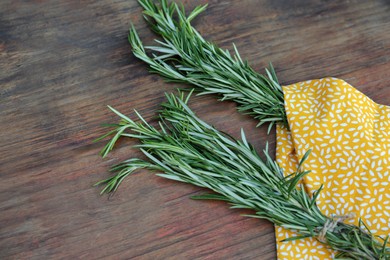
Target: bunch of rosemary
[(189, 150), (184, 56)]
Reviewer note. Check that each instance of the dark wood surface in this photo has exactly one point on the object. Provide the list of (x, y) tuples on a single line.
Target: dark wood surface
[(62, 62)]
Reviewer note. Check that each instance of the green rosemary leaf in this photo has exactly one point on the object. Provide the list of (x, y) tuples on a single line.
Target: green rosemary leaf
[(304, 158), (294, 181), (170, 177), (196, 12), (296, 238)]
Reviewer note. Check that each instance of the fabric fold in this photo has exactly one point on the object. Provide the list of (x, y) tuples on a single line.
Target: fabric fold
[(349, 135)]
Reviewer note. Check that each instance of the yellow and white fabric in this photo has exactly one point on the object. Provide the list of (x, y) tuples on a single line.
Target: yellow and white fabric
[(349, 135)]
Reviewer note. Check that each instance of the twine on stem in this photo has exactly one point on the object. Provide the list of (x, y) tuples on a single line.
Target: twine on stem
[(331, 224)]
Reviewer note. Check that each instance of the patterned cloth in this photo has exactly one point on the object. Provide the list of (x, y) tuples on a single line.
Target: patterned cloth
[(349, 135)]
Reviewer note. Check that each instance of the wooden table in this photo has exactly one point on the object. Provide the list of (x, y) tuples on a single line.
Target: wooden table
[(62, 62)]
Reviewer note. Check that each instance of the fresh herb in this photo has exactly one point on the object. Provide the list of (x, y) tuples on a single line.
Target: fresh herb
[(184, 56), (187, 149)]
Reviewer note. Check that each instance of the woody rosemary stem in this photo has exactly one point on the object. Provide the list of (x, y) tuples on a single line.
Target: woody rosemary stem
[(184, 56), (187, 149)]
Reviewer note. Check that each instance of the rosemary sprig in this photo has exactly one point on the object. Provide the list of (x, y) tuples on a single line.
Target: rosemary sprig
[(184, 56), (186, 149)]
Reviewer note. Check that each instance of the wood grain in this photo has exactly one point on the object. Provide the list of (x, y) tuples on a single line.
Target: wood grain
[(62, 62)]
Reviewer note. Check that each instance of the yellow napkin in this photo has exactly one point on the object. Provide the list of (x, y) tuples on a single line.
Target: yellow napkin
[(349, 135)]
